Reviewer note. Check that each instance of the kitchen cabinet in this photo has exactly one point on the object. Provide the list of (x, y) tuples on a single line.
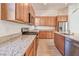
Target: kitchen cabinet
[(32, 14), (45, 35), (46, 21), (62, 18), (59, 41), (21, 12), (4, 9), (31, 9), (32, 49), (16, 12), (8, 11)]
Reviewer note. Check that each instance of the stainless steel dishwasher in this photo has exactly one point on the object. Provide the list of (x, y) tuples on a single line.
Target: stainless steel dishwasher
[(71, 47)]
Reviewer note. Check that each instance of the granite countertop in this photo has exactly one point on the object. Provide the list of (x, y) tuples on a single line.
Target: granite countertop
[(16, 46), (71, 36)]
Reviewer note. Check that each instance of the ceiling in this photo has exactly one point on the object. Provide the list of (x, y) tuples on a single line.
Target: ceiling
[(43, 8), (50, 6)]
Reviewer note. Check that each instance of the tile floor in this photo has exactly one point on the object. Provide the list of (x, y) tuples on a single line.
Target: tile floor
[(46, 47)]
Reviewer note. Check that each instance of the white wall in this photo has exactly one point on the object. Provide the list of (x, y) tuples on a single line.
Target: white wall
[(74, 18), (7, 27), (51, 12), (46, 13), (63, 11)]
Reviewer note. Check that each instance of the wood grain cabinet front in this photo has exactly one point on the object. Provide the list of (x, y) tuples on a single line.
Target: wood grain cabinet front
[(32, 49), (32, 14), (21, 12), (4, 12), (17, 12), (45, 20), (45, 35), (62, 18), (59, 41)]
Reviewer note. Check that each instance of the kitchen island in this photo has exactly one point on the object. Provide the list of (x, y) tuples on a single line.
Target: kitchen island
[(18, 46)]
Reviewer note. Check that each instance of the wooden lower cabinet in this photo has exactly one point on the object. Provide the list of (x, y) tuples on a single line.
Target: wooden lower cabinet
[(45, 35), (32, 50), (59, 41), (31, 53)]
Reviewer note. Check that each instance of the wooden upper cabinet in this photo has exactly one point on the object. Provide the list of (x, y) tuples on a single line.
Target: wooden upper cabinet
[(17, 12), (32, 14), (31, 9), (46, 21), (62, 18), (21, 12), (4, 9), (8, 11), (26, 13)]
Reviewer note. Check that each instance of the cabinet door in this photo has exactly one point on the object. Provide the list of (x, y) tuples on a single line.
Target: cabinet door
[(31, 9), (26, 13), (31, 51), (62, 18), (59, 42), (4, 9), (53, 21), (42, 35), (22, 12), (19, 11), (32, 14)]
